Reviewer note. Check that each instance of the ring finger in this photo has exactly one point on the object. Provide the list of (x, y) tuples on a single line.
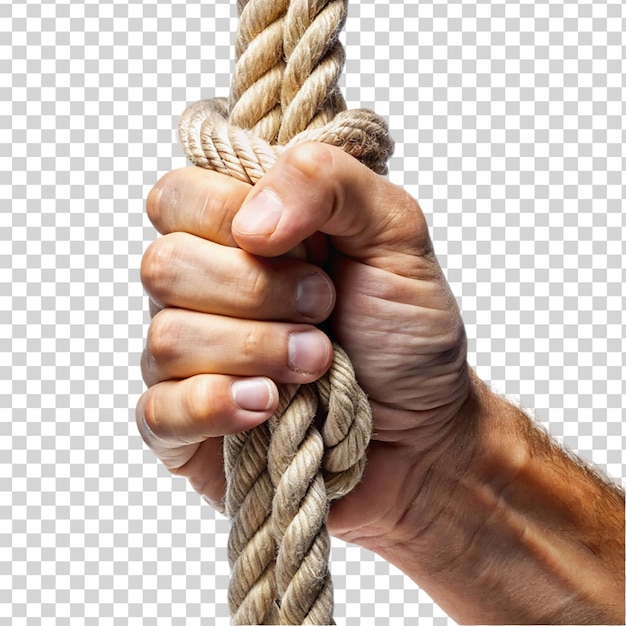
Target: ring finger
[(184, 343)]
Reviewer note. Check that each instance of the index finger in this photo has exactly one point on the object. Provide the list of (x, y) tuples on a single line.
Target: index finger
[(196, 201)]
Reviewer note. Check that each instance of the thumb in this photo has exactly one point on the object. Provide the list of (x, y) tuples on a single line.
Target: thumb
[(315, 187)]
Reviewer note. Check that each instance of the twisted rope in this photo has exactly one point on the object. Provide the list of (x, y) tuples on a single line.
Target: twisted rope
[(282, 475)]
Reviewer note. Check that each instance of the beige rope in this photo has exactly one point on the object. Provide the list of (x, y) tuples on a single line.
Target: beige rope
[(282, 475)]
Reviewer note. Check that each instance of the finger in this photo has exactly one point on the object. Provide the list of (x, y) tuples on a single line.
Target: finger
[(184, 343), (205, 472), (201, 463), (184, 271), (183, 421), (196, 201), (315, 187), (185, 412)]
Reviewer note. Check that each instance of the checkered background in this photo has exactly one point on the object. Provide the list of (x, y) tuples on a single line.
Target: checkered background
[(509, 120)]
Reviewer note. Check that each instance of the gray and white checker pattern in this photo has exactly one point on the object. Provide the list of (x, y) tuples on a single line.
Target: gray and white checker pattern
[(509, 120)]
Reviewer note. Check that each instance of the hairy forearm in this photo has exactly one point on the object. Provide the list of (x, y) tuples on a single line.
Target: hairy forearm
[(508, 528)]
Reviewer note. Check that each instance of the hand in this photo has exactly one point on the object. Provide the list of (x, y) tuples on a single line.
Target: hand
[(461, 491), (234, 316)]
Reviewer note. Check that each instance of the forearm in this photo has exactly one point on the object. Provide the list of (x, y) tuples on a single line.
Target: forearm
[(512, 530)]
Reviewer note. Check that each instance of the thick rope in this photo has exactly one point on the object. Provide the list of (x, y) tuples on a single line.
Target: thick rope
[(282, 475)]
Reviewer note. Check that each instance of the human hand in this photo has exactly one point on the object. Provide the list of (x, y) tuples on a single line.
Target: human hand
[(234, 316)]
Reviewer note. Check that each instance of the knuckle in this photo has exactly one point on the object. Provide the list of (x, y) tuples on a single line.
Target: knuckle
[(157, 265), (163, 337), (153, 206), (251, 345), (198, 399), (147, 419), (255, 289), (148, 422), (162, 201), (311, 159)]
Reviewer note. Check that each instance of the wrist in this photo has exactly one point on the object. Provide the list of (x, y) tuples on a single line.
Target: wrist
[(440, 540), (505, 528), (436, 464)]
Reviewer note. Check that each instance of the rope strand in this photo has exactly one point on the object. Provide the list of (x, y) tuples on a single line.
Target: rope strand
[(282, 475)]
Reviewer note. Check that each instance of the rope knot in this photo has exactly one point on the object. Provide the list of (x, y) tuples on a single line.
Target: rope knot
[(209, 140)]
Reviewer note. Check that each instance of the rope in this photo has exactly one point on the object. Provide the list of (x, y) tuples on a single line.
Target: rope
[(283, 474)]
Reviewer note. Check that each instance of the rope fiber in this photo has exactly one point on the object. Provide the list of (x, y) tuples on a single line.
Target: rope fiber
[(282, 475)]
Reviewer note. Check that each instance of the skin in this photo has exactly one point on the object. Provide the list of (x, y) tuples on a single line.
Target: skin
[(461, 491)]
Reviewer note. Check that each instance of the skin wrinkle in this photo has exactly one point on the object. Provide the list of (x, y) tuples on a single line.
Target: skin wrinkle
[(380, 284), (174, 197), (203, 214), (370, 535), (255, 286)]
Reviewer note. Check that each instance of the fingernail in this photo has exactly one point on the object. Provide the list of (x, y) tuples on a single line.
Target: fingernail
[(308, 352), (259, 216), (314, 296), (252, 394)]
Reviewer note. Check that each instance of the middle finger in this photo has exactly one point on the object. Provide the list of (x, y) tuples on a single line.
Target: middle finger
[(185, 343), (184, 271)]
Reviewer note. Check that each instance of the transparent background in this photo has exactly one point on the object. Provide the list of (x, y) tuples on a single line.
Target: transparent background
[(508, 118)]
